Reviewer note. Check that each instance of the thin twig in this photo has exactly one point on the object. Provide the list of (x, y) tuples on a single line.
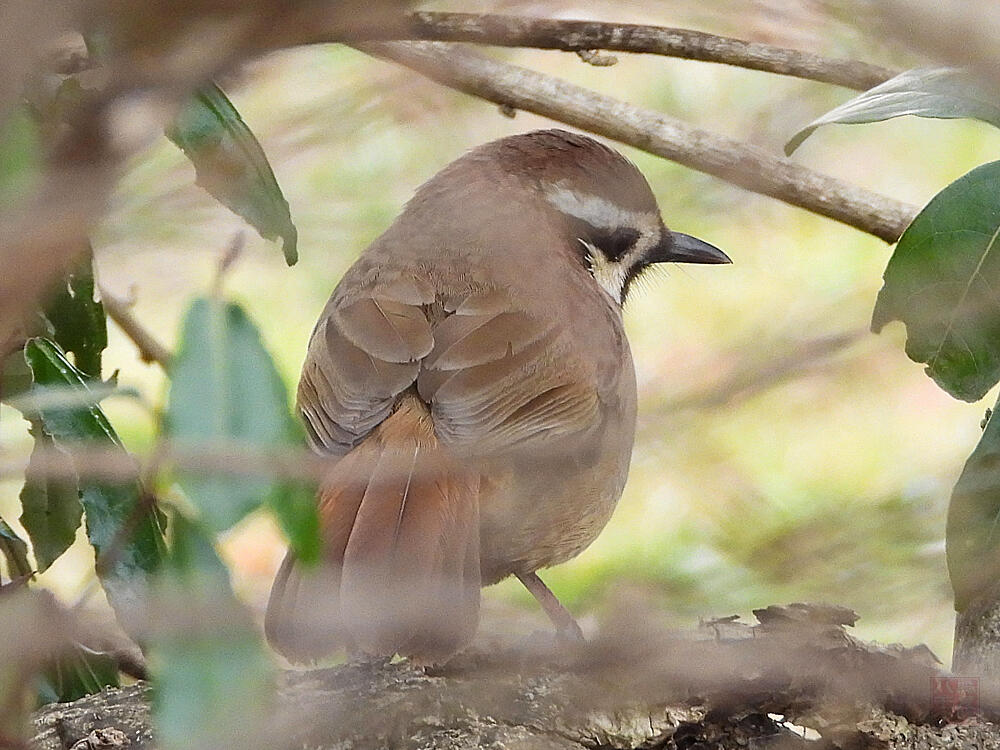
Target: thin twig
[(749, 380), (747, 166), (588, 36), (150, 350)]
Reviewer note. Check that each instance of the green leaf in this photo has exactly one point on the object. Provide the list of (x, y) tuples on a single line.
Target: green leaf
[(15, 551), (214, 680), (943, 93), (123, 524), (193, 561), (76, 673), (943, 282), (294, 505), (232, 166), (78, 322), (973, 533), (50, 500), (226, 391), (21, 158)]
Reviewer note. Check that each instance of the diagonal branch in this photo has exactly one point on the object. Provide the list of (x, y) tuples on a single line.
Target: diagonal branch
[(584, 36), (150, 349), (747, 166)]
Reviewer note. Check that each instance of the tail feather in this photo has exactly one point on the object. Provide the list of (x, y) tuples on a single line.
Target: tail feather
[(400, 520)]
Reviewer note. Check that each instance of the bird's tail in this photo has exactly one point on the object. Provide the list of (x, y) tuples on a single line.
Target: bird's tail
[(400, 523)]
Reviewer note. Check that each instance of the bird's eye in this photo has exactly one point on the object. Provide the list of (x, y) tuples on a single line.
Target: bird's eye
[(616, 243)]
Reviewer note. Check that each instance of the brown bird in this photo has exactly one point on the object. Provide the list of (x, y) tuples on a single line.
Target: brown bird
[(472, 376)]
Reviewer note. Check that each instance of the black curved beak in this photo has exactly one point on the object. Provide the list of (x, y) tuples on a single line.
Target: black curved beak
[(677, 247)]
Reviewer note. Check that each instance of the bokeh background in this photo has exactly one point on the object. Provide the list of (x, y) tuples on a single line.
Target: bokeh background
[(784, 453)]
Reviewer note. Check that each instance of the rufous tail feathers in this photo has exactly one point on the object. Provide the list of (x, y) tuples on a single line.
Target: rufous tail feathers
[(400, 524)]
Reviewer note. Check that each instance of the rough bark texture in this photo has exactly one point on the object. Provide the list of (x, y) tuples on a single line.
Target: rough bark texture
[(729, 685)]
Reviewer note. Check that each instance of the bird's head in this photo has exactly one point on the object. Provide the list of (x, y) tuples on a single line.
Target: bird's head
[(607, 207)]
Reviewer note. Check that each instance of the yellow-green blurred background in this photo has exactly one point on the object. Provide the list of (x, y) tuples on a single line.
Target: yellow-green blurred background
[(770, 466)]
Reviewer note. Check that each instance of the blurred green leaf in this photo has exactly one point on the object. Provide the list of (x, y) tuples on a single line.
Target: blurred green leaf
[(942, 93), (77, 319), (232, 166), (193, 561), (15, 551), (214, 680), (123, 524), (20, 155), (226, 391), (76, 673), (294, 505), (943, 281), (50, 500), (973, 534)]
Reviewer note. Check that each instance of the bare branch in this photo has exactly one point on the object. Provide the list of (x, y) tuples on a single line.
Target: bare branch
[(747, 166), (802, 358), (588, 36), (150, 350)]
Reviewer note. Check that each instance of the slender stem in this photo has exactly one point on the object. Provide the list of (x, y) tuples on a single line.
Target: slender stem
[(150, 350), (747, 166)]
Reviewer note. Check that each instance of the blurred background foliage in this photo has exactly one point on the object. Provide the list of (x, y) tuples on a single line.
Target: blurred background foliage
[(784, 453)]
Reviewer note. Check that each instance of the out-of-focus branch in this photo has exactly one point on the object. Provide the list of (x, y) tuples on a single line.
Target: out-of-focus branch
[(150, 350), (746, 166), (227, 459), (749, 380), (584, 36)]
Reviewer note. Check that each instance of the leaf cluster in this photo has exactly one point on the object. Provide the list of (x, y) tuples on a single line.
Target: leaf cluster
[(155, 558)]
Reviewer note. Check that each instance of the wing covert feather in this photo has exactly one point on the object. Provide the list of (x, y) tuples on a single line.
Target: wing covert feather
[(493, 376)]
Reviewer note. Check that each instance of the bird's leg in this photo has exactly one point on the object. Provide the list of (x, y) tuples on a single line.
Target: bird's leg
[(566, 626)]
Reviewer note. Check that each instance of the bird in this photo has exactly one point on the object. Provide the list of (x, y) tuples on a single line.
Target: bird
[(472, 385)]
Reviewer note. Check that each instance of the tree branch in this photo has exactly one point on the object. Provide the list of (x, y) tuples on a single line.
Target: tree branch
[(747, 166), (584, 36), (727, 685)]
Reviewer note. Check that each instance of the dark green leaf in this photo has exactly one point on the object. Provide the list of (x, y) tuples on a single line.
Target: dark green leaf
[(76, 673), (77, 318), (232, 166), (973, 535), (123, 524), (15, 551), (50, 500), (214, 679), (943, 282), (944, 93), (225, 390)]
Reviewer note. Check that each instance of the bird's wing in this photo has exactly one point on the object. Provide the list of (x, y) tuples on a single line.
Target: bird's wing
[(499, 377), (365, 351), (493, 375)]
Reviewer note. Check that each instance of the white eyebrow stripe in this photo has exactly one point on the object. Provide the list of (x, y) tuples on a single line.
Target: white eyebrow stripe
[(597, 211)]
